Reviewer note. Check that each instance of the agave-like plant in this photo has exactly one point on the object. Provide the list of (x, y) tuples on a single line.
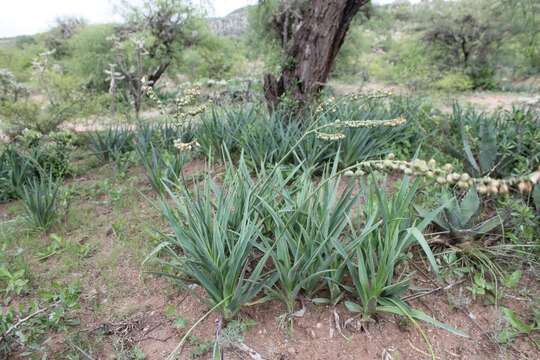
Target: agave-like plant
[(161, 135), (461, 219), (108, 145), (536, 197), (218, 237), (219, 129), (40, 199), (16, 170), (306, 225), (493, 145), (375, 280), (161, 166)]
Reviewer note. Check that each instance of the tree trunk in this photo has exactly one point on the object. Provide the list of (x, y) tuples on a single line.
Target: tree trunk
[(311, 36)]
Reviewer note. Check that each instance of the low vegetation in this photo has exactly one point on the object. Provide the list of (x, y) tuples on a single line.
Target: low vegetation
[(140, 211)]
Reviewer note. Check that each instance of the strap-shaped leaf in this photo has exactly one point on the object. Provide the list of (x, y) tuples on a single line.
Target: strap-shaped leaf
[(536, 197), (399, 307), (467, 149), (469, 206), (425, 246), (488, 225), (488, 147)]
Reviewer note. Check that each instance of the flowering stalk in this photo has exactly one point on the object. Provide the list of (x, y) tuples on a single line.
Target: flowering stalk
[(446, 175), (330, 104), (356, 124), (181, 115)]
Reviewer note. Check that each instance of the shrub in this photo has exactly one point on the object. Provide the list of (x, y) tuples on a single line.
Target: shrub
[(454, 81), (460, 38), (90, 55)]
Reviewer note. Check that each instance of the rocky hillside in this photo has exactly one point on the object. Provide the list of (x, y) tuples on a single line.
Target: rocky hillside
[(234, 24)]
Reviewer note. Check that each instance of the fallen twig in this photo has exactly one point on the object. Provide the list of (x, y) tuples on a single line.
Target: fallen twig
[(23, 320), (447, 287), (251, 352)]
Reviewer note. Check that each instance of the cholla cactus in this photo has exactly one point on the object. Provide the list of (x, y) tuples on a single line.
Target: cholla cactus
[(10, 88), (445, 175)]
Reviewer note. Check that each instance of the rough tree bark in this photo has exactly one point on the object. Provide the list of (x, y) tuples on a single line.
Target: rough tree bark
[(312, 34)]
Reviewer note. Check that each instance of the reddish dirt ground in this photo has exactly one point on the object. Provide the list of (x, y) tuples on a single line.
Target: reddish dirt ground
[(313, 336)]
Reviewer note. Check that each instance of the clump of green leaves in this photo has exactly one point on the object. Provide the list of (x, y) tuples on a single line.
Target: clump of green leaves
[(216, 236), (110, 144), (33, 155), (16, 170), (161, 166), (15, 281), (462, 219), (379, 253), (306, 224), (41, 202), (500, 145)]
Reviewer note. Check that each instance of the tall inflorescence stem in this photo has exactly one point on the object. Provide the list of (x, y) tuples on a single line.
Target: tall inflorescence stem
[(445, 175)]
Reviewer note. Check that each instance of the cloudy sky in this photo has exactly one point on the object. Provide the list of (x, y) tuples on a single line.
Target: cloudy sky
[(18, 17), (21, 17)]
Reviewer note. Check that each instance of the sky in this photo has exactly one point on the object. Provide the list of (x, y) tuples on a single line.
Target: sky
[(26, 17)]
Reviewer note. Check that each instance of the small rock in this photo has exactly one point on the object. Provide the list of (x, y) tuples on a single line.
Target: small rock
[(291, 351)]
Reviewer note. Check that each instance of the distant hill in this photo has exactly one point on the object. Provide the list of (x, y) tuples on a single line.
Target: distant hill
[(7, 42), (234, 24)]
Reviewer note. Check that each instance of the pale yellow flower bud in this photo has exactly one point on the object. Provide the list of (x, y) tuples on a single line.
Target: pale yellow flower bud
[(441, 180), (482, 189), (525, 187)]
